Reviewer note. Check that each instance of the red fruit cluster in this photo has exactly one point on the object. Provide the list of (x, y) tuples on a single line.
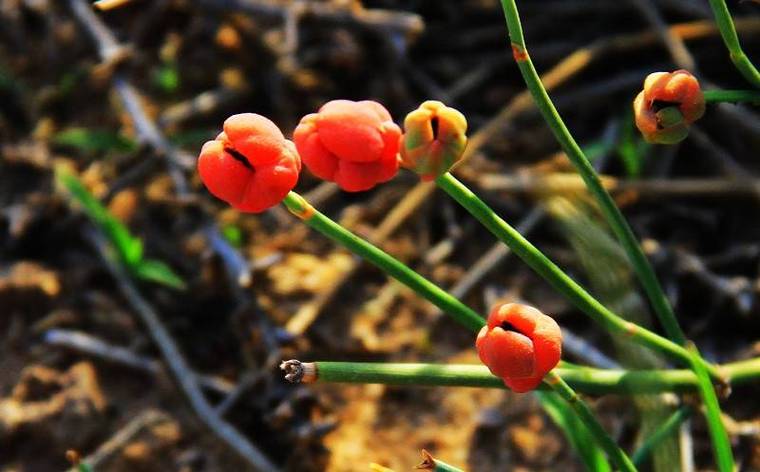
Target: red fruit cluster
[(520, 345), (669, 103), (250, 165), (354, 144)]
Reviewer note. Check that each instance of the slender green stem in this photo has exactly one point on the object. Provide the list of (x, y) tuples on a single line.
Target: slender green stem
[(731, 39), (432, 374), (719, 436), (576, 433), (668, 427), (732, 96), (587, 380), (555, 276), (441, 466), (583, 300), (393, 267), (614, 452), (575, 154)]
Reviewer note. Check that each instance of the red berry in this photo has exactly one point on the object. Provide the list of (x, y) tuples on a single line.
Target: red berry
[(250, 165), (354, 144), (520, 345)]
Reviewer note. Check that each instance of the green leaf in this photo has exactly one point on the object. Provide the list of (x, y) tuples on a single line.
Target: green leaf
[(94, 141), (166, 78), (233, 235), (156, 271), (129, 248), (575, 431), (84, 467)]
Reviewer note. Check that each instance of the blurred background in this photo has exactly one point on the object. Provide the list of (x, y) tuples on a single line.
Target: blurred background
[(119, 273)]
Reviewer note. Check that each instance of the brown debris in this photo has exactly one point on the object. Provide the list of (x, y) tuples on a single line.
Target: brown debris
[(147, 450), (28, 278), (55, 404), (299, 272), (533, 443)]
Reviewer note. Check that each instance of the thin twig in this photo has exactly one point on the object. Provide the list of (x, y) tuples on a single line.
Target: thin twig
[(202, 104), (178, 367), (246, 383), (725, 160), (105, 5), (674, 44), (740, 290), (686, 445), (88, 344), (554, 184), (396, 21), (123, 436), (237, 266), (112, 53), (586, 351)]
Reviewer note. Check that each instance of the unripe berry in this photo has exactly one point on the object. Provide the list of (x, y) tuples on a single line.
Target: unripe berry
[(669, 103), (434, 139)]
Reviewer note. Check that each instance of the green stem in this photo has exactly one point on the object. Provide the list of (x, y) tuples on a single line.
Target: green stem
[(732, 96), (667, 428), (393, 267), (576, 433), (587, 380), (597, 311), (575, 154), (719, 436), (441, 466), (432, 374), (614, 452), (555, 276), (731, 39)]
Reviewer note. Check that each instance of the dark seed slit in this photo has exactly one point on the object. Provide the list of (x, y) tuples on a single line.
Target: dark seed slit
[(507, 326), (434, 124), (239, 157), (658, 105)]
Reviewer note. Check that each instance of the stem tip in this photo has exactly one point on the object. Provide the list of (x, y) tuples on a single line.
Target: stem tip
[(428, 463), (299, 372)]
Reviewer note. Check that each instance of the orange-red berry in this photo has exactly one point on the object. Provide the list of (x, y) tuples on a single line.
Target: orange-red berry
[(354, 144), (669, 103), (520, 345), (434, 139), (250, 164)]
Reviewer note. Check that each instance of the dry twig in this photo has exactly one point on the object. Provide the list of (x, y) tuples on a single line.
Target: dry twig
[(88, 344), (177, 365)]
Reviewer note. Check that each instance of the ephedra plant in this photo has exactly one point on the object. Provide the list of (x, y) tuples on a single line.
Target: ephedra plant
[(357, 145)]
